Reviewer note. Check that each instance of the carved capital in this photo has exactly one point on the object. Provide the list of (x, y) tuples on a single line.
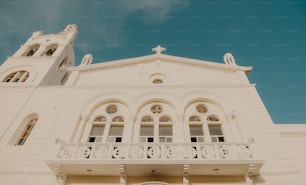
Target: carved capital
[(249, 180), (61, 178)]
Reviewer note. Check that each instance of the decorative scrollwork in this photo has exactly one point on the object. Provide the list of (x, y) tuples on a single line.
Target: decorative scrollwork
[(154, 152), (171, 152), (224, 152), (65, 152), (204, 152), (157, 151), (190, 152), (84, 151)]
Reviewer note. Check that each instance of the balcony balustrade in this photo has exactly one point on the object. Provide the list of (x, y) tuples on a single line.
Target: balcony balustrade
[(167, 159), (154, 151)]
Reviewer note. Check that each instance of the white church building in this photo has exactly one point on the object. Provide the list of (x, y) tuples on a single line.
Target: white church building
[(150, 120)]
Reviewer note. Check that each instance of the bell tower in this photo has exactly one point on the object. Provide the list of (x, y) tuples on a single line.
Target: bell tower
[(41, 60)]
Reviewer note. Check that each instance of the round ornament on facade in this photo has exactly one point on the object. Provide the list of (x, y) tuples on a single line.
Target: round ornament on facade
[(111, 109), (156, 109), (201, 108)]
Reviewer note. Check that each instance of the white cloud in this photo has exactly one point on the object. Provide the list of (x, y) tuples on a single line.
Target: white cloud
[(101, 23), (154, 8)]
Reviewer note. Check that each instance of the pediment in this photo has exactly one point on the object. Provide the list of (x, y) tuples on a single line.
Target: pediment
[(161, 58), (161, 68)]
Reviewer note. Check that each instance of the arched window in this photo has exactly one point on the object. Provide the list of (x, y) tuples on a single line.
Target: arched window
[(155, 126), (147, 119), (32, 50), (118, 119), (165, 119), (51, 49), (63, 64), (30, 123), (205, 123), (194, 119), (212, 118), (16, 77), (108, 126)]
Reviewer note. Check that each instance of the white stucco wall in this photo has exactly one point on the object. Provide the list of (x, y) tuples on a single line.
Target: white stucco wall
[(63, 109)]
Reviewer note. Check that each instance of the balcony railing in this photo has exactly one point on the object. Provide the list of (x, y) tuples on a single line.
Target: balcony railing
[(154, 151)]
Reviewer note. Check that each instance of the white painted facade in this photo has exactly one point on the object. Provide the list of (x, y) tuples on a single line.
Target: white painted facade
[(150, 120)]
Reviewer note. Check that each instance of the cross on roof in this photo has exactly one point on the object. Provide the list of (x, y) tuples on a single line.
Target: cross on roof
[(158, 49)]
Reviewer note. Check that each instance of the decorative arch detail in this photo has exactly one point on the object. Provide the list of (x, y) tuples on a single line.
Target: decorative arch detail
[(17, 77), (31, 50), (107, 122)]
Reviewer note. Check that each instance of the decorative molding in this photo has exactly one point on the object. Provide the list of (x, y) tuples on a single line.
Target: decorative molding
[(186, 174), (161, 57), (61, 178), (122, 174), (249, 180)]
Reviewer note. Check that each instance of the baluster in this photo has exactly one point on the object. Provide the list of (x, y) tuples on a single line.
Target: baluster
[(234, 152), (110, 151), (93, 148), (75, 150), (163, 151), (216, 151), (145, 151)]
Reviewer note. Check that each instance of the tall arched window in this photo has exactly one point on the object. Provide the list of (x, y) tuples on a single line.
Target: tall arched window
[(205, 122), (108, 123), (156, 123), (29, 125), (32, 50), (16, 77)]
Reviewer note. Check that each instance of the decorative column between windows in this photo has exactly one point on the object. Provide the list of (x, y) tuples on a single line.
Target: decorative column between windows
[(81, 128)]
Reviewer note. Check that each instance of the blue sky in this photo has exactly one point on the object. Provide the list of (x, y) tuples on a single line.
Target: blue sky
[(269, 35)]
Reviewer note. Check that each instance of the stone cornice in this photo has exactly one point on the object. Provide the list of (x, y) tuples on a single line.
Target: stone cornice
[(292, 130), (159, 57)]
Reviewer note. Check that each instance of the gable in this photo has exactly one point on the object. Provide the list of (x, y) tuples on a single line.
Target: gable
[(170, 70)]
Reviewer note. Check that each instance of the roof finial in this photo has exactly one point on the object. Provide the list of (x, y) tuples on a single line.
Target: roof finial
[(158, 49), (229, 59)]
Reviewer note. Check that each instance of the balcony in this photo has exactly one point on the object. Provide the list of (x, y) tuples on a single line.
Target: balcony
[(167, 159)]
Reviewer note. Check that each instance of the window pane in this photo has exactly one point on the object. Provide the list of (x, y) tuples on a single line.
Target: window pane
[(116, 131), (97, 130), (215, 130), (147, 119), (196, 130), (146, 131), (150, 139), (118, 119), (100, 119), (26, 132), (165, 119), (165, 130), (91, 139), (194, 118)]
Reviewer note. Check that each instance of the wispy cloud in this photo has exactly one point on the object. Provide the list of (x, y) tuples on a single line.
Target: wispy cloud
[(101, 23)]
